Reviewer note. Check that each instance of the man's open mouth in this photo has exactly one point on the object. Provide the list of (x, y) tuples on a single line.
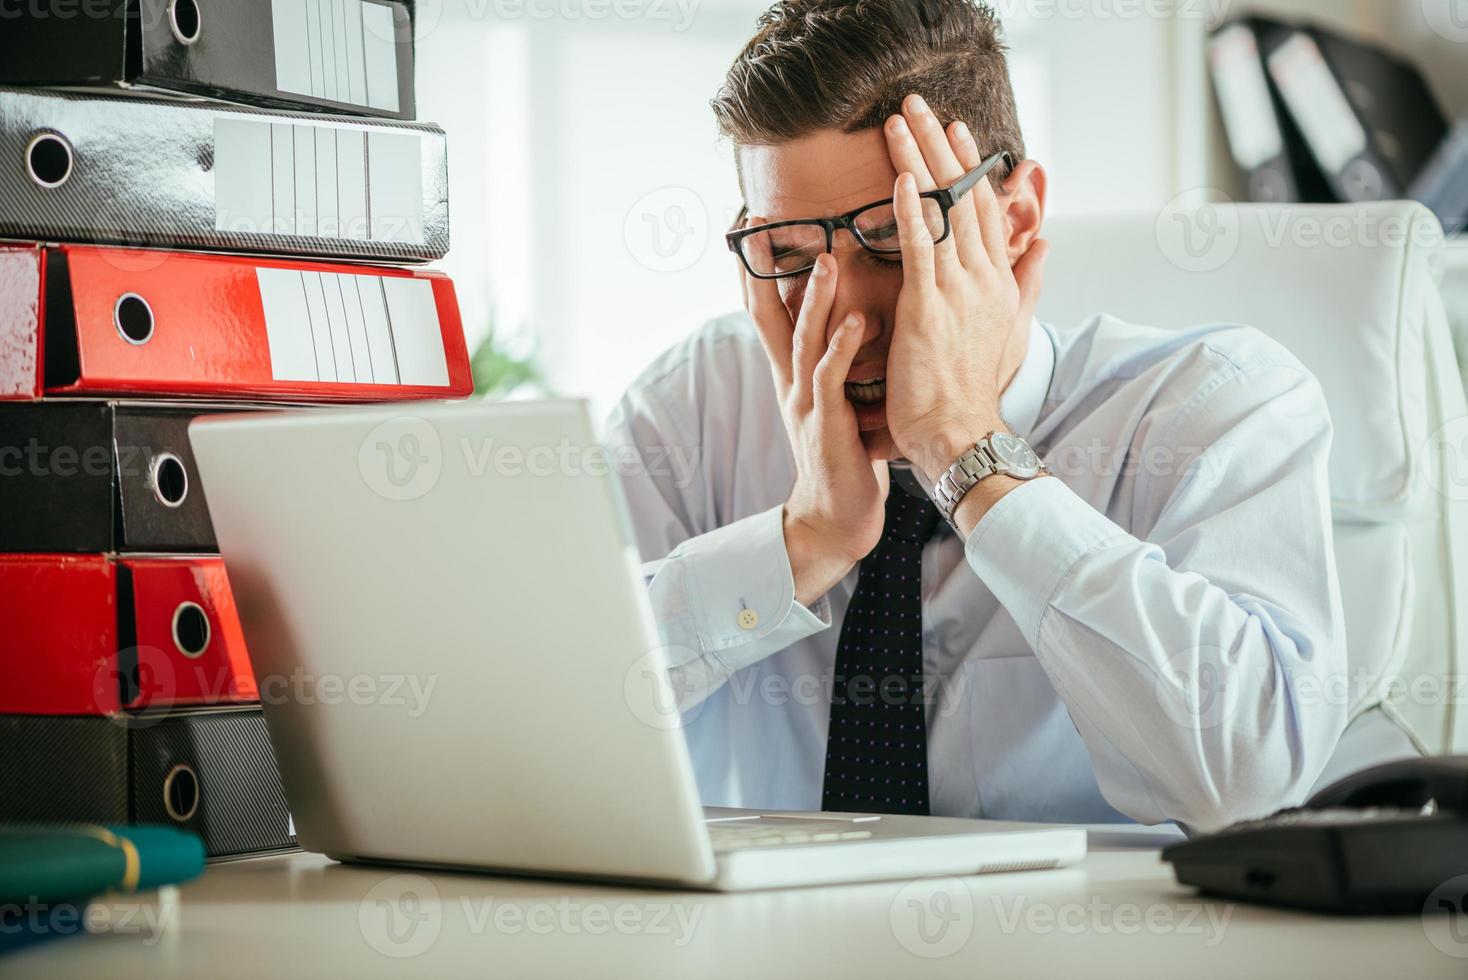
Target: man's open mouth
[(867, 392)]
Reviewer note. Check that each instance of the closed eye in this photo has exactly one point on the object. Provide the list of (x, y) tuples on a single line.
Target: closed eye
[(887, 232), (779, 252)]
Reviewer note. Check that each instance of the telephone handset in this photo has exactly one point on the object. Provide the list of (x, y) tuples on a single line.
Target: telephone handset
[(1438, 782), (1383, 840)]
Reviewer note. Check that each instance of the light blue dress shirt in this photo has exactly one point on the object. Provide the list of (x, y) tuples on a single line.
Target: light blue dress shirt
[(1135, 638)]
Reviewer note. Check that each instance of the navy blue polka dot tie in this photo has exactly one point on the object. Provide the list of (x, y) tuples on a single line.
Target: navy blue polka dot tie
[(877, 744)]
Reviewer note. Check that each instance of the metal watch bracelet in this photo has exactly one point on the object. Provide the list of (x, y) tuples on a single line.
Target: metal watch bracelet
[(977, 465)]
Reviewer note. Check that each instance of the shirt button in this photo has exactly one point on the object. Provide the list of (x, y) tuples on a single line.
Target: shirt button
[(748, 619)]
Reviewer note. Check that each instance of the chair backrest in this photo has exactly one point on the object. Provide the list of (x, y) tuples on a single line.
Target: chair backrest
[(1455, 295), (1352, 291)]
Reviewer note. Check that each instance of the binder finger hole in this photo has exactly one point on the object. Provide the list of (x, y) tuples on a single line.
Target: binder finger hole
[(133, 318), (170, 480), (190, 629), (184, 18), (49, 159), (181, 793)]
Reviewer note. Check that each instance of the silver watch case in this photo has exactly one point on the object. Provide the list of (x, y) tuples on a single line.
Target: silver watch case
[(998, 454), (1013, 456)]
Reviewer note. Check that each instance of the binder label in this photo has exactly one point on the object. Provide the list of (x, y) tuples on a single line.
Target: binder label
[(1316, 101), (1243, 96), (339, 50), (317, 181), (353, 329), (20, 321)]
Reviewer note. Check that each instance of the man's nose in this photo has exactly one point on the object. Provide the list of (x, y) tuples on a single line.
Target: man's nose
[(857, 291)]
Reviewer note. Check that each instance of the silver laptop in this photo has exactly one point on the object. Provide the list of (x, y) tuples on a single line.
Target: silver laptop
[(459, 666)]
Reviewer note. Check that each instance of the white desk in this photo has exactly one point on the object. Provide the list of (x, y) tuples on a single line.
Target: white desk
[(1119, 914)]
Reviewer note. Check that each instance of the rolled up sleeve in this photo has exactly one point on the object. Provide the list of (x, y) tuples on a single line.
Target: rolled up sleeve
[(1187, 658)]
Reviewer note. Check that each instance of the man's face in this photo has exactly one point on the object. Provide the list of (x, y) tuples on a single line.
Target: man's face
[(825, 174)]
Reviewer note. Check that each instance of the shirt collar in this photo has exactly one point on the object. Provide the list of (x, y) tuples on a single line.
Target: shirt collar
[(1022, 401)]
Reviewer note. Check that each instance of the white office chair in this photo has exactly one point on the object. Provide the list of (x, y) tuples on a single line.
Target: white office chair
[(1352, 292), (1455, 295)]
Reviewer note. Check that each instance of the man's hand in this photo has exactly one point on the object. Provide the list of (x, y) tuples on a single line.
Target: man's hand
[(835, 514), (960, 300)]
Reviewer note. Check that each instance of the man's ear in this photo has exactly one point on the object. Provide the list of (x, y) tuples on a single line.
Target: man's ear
[(1024, 207)]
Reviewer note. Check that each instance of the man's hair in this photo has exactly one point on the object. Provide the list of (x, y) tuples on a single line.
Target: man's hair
[(848, 64)]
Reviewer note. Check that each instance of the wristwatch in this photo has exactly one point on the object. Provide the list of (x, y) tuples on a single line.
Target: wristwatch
[(998, 453)]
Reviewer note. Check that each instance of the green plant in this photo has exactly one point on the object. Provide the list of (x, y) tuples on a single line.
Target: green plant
[(498, 372)]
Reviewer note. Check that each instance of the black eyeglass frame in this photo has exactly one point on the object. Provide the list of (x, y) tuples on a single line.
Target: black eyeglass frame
[(947, 198)]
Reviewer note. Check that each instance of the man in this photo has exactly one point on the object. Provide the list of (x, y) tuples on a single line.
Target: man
[(1135, 634)]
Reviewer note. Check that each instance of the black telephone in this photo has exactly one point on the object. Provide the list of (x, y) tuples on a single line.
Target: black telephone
[(1378, 842)]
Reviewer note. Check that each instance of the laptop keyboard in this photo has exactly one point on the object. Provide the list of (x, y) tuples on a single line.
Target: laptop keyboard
[(737, 835)]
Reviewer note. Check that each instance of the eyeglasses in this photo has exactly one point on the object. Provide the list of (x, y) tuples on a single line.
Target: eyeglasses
[(791, 248)]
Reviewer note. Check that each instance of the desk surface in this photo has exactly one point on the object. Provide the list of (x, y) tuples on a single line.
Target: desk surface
[(1118, 914)]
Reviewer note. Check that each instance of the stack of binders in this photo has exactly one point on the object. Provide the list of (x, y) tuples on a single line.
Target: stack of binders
[(205, 207), (1313, 116)]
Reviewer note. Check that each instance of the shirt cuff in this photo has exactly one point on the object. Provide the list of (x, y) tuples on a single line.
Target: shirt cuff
[(744, 591), (1028, 544)]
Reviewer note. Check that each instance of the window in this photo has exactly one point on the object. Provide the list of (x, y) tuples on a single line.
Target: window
[(590, 191)]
